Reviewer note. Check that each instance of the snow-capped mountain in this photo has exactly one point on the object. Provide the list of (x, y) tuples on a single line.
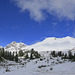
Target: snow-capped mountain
[(14, 46), (48, 44), (52, 43)]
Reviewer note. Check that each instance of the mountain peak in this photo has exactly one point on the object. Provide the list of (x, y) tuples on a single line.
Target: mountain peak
[(53, 43), (14, 46), (48, 44), (14, 42)]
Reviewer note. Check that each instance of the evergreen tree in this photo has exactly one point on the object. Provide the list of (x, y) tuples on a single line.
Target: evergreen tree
[(13, 56), (26, 57), (60, 53), (16, 57), (10, 56), (37, 55), (31, 56), (0, 55), (32, 52), (74, 57), (65, 57), (5, 55), (70, 55), (53, 54), (21, 53), (2, 52)]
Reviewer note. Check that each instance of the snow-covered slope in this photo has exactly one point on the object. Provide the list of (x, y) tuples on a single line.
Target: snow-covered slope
[(52, 43), (49, 44), (14, 46), (52, 67)]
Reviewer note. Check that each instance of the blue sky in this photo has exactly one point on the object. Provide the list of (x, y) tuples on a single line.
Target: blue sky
[(25, 21)]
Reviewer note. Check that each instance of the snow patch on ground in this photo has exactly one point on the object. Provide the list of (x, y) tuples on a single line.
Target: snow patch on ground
[(47, 67)]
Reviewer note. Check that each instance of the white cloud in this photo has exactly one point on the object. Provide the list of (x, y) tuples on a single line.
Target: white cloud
[(60, 8)]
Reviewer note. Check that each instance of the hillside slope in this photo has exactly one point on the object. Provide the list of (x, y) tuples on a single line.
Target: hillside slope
[(14, 46), (52, 43)]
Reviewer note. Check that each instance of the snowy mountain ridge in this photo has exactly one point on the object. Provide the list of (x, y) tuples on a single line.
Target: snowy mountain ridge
[(47, 64), (48, 44), (14, 46), (52, 43)]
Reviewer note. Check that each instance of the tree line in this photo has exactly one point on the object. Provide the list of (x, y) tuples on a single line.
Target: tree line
[(14, 56), (32, 54), (8, 55), (68, 55)]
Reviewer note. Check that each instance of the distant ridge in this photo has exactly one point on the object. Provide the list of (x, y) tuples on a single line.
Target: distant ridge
[(48, 44), (53, 43), (14, 46)]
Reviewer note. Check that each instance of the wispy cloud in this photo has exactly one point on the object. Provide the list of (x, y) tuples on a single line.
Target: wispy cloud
[(60, 8), (14, 27)]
